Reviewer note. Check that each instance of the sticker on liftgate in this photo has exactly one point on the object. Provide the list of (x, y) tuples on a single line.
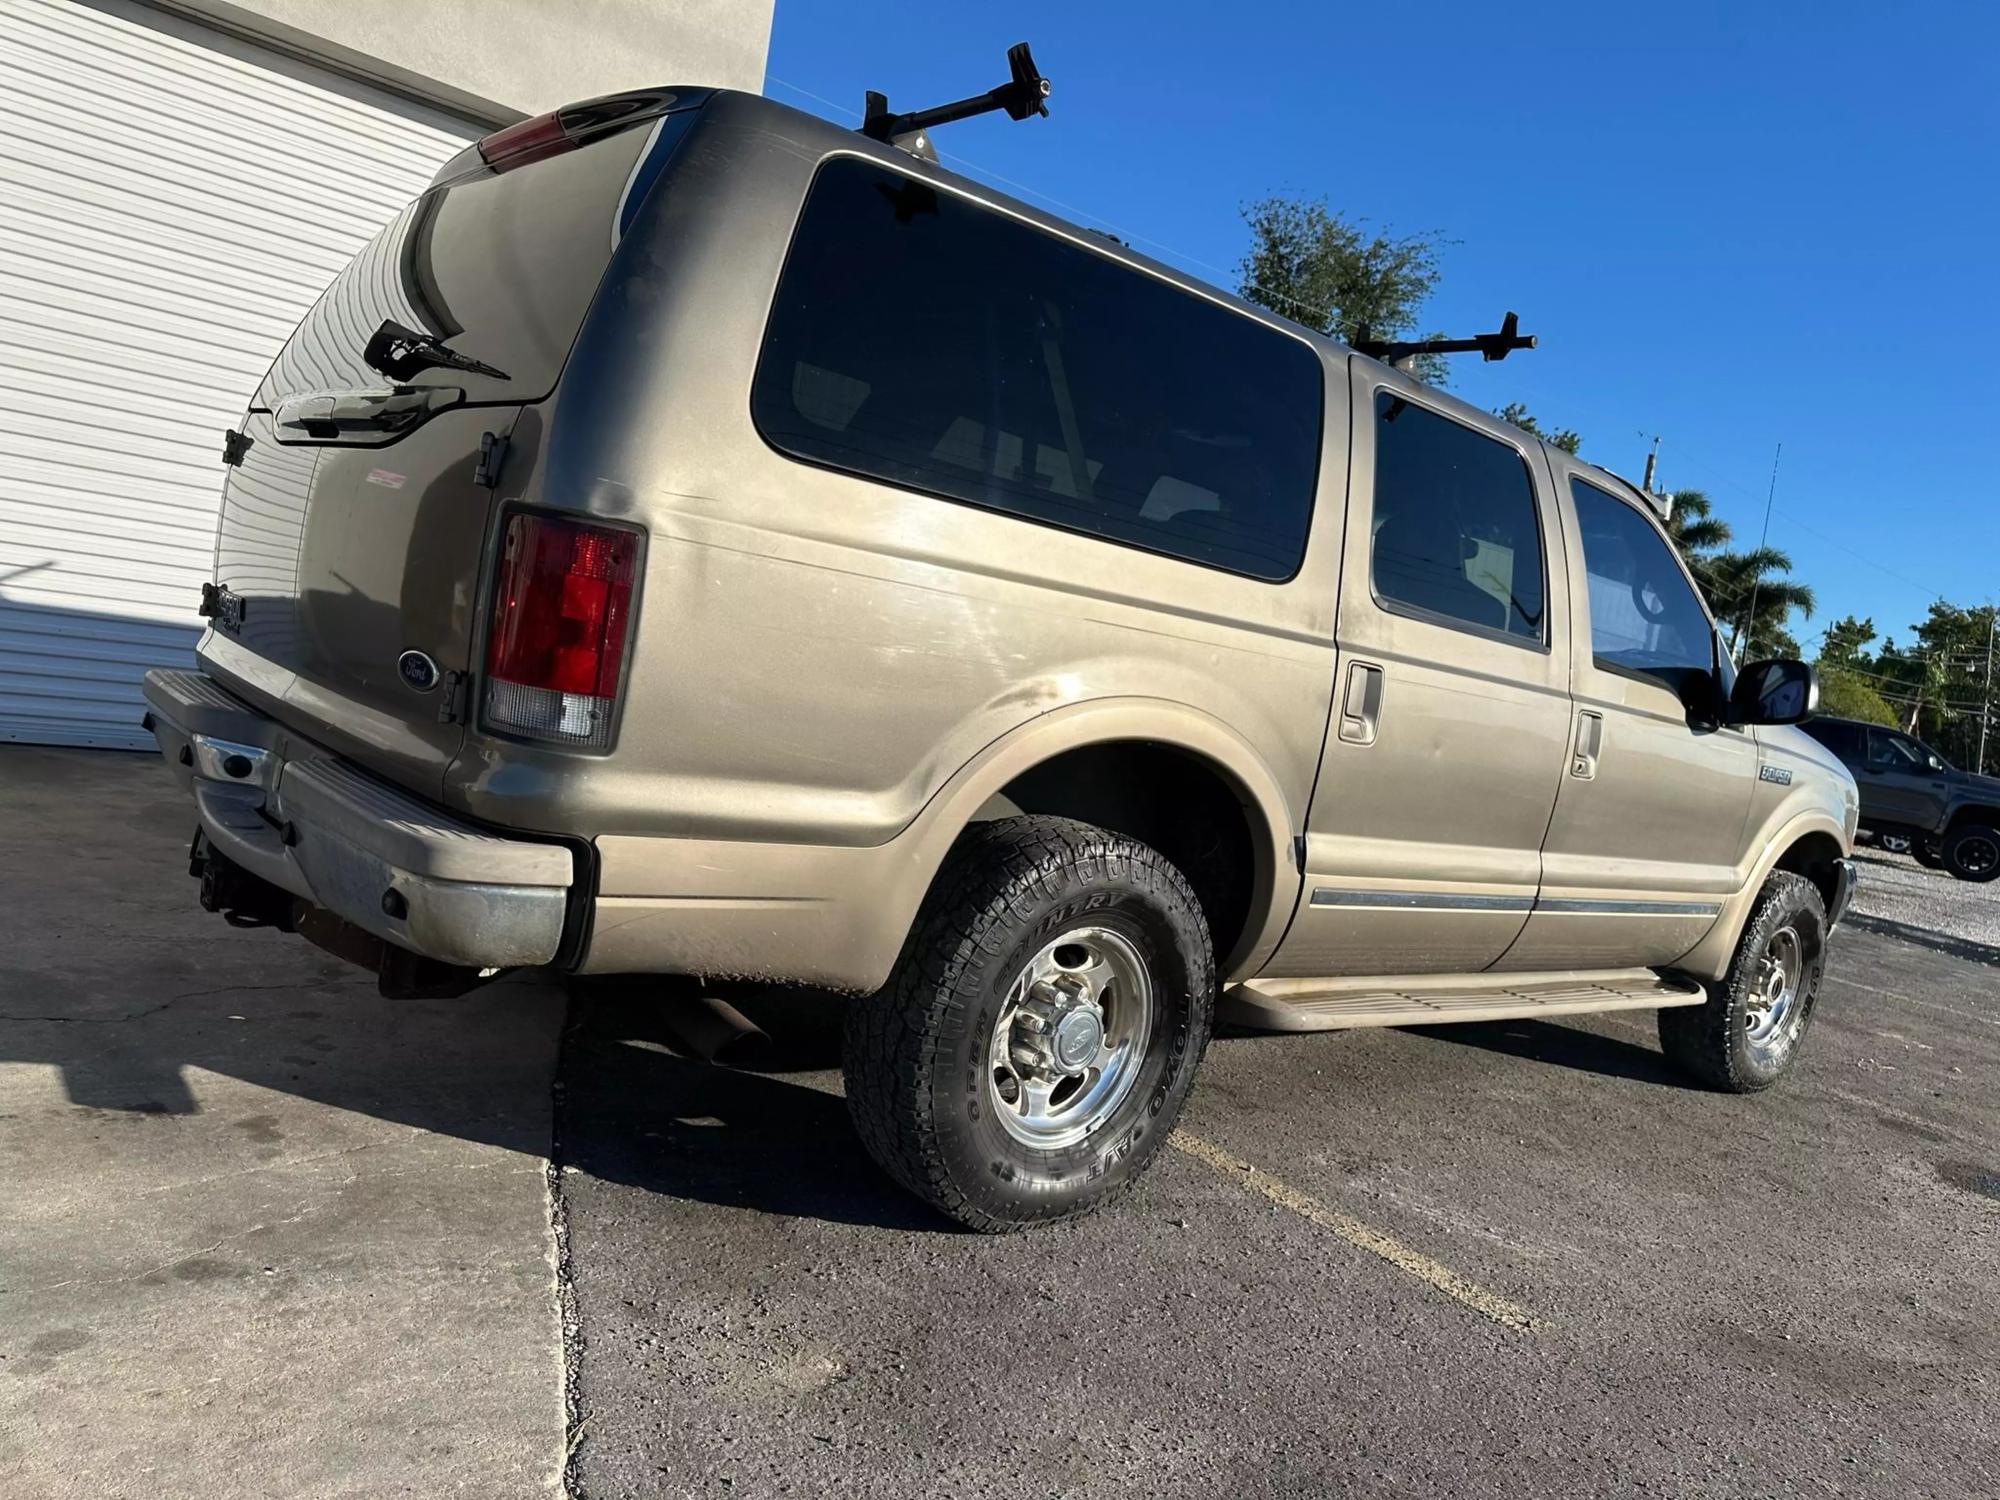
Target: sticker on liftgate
[(389, 479)]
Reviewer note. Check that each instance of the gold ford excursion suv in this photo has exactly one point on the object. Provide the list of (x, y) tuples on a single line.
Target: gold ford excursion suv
[(693, 539)]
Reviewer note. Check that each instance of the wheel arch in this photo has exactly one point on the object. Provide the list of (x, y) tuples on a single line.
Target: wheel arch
[(1166, 774), (1983, 813), (1806, 844)]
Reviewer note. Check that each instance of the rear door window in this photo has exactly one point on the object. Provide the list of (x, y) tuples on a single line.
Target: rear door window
[(924, 340), (1455, 531)]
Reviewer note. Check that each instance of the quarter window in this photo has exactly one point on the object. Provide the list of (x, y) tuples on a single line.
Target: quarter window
[(1455, 534), (921, 339), (1644, 615)]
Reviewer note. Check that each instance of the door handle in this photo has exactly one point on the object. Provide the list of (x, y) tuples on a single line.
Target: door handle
[(1589, 739), (1361, 705)]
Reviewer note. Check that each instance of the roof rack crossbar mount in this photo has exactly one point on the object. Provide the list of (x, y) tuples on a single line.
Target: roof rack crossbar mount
[(1024, 95), (1490, 346)]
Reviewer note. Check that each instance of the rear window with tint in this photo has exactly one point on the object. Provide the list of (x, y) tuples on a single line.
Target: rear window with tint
[(923, 340), (501, 266)]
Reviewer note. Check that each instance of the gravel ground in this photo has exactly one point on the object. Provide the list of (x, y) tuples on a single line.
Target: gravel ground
[(1898, 896)]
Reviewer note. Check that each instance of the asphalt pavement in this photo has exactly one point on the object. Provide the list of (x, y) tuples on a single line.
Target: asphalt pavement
[(271, 1235)]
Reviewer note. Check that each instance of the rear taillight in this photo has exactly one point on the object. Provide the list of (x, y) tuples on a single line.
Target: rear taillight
[(561, 605)]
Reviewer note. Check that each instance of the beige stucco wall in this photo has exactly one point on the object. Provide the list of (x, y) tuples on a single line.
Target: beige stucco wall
[(500, 59)]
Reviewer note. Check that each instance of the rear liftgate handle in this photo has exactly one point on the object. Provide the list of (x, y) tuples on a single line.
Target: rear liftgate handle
[(1361, 706), (1589, 738)]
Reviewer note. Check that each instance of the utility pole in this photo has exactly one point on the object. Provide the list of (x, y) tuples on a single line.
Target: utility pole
[(1986, 700), (1652, 458)]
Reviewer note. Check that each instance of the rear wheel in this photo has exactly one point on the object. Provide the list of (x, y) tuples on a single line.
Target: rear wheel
[(1971, 851), (1043, 1027), (1747, 1035)]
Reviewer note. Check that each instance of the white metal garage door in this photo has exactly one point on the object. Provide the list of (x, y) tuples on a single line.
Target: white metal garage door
[(171, 203)]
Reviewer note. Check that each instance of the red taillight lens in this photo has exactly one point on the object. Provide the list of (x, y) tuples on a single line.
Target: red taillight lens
[(561, 605), (528, 141)]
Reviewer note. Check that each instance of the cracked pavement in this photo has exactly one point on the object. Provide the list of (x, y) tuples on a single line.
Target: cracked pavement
[(268, 1234)]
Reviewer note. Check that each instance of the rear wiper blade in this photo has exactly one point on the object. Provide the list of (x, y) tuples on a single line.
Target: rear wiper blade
[(400, 352)]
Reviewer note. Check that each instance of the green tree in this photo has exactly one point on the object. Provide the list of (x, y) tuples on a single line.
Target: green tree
[(1845, 645), (1336, 275), (1850, 678), (1845, 695), (1941, 683), (1753, 596), (1565, 438)]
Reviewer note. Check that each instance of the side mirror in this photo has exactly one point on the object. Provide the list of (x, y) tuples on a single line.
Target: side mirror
[(1775, 692)]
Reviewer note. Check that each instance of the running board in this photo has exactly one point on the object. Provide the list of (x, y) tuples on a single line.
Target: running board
[(1432, 1000)]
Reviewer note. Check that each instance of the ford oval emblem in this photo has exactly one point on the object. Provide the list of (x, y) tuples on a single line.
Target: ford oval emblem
[(417, 671)]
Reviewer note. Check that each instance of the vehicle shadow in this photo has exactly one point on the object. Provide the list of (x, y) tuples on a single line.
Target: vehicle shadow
[(138, 1001), (635, 1110), (1561, 1046)]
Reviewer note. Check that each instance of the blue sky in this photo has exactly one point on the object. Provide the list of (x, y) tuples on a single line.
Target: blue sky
[(1732, 225)]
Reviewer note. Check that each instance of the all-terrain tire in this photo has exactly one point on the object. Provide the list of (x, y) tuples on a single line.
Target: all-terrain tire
[(1971, 851), (1715, 1041), (917, 1057)]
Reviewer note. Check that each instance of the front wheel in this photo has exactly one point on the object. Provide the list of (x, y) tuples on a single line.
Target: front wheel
[(1747, 1035), (1971, 851), (1042, 1030)]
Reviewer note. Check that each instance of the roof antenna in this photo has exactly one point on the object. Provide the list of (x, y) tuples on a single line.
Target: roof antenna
[(1491, 346), (1025, 94)]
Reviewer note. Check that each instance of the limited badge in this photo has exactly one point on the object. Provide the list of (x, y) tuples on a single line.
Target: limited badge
[(417, 670)]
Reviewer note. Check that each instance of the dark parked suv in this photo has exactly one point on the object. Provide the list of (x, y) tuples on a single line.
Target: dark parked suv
[(1913, 798)]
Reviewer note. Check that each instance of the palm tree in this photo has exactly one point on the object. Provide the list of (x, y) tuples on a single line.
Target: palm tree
[(1694, 527), (1753, 598)]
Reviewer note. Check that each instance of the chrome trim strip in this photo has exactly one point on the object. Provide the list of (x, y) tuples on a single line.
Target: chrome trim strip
[(1631, 908), (1419, 901), (1429, 901)]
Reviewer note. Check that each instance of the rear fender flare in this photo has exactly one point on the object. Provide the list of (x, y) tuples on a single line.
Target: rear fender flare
[(936, 828)]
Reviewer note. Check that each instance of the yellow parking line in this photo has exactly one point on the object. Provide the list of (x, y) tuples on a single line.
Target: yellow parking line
[(1361, 1236)]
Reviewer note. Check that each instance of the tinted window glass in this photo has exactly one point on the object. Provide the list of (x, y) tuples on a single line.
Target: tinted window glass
[(1890, 751), (1644, 616), (921, 339), (1455, 527), (1844, 740), (501, 265)]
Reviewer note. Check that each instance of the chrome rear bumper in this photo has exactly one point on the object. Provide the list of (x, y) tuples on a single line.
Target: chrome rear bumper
[(300, 818)]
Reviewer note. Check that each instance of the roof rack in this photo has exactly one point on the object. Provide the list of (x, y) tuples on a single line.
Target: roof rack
[(1490, 346), (1024, 94)]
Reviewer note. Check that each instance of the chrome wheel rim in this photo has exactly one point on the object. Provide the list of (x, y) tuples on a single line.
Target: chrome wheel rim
[(1070, 1038), (1778, 1002), (1977, 854)]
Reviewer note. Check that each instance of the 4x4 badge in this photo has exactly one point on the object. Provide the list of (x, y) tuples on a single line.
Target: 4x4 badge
[(417, 671)]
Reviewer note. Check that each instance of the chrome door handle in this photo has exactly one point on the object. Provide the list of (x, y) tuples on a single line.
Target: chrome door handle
[(1589, 739), (1361, 705)]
